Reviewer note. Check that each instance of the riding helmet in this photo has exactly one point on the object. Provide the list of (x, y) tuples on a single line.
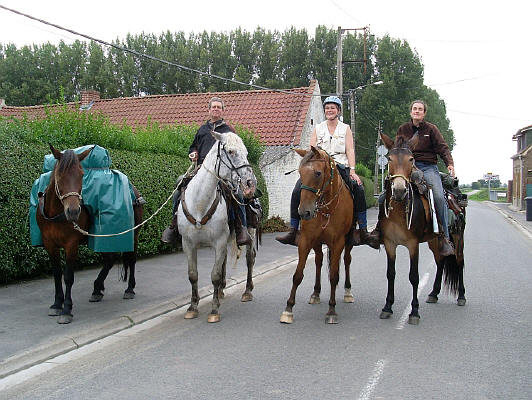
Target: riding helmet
[(333, 99)]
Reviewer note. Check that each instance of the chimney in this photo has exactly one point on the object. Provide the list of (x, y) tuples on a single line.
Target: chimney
[(2, 103), (88, 96)]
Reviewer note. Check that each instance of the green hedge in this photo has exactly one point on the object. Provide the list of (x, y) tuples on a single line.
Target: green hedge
[(152, 166)]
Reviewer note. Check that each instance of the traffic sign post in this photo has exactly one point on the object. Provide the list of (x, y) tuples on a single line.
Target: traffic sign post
[(383, 161)]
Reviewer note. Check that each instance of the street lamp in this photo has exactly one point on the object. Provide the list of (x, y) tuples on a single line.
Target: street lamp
[(352, 101)]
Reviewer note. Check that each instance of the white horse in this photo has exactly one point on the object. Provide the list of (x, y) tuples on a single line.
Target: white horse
[(199, 225)]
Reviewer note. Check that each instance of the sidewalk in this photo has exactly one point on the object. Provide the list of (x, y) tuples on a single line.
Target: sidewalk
[(28, 336), (517, 217)]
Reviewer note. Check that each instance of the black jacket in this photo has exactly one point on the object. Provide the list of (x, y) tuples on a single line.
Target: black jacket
[(203, 141)]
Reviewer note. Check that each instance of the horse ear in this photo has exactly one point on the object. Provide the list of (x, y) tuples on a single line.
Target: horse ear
[(412, 143), (388, 142), (57, 154), (315, 151), (218, 136), (301, 152), (82, 156)]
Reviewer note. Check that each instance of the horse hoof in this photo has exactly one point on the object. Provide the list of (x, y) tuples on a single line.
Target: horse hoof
[(128, 296), (54, 312), (96, 298), (331, 319), (246, 297), (191, 314), (212, 318), (65, 319), (385, 315), (461, 302), (287, 317), (348, 298), (413, 319), (432, 299), (314, 299)]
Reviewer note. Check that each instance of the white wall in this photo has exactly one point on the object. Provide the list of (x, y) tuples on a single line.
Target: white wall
[(277, 160)]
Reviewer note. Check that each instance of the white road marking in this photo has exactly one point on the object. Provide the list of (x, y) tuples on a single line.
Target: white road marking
[(422, 282), (368, 390)]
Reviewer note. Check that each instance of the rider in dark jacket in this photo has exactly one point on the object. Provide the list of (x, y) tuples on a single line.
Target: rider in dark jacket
[(200, 147)]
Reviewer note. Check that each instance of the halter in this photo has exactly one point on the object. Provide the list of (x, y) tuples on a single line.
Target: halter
[(64, 196), (409, 204)]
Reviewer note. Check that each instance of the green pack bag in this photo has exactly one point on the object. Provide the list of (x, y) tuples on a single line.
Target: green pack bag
[(107, 194)]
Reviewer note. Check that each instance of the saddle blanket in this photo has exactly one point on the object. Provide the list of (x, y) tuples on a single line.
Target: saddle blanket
[(107, 195)]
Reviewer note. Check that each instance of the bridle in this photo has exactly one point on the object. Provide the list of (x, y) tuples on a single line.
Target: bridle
[(229, 164), (61, 216), (320, 192), (409, 205)]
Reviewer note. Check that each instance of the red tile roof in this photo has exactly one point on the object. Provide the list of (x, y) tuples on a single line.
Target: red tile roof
[(277, 117)]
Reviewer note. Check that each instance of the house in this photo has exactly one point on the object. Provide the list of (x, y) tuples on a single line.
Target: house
[(522, 168), (282, 119)]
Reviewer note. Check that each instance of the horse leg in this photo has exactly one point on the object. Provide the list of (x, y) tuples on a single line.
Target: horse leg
[(221, 293), (71, 255), (217, 278), (460, 261), (99, 287), (287, 317), (413, 276), (130, 259), (251, 254), (390, 275), (331, 317), (436, 288), (348, 296), (318, 258), (192, 253), (55, 309)]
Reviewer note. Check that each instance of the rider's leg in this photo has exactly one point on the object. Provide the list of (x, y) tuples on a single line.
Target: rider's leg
[(241, 230), (291, 236), (432, 177), (360, 210), (170, 234)]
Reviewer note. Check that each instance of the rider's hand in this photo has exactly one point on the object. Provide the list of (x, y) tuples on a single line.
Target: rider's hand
[(354, 176), (450, 168), (193, 156)]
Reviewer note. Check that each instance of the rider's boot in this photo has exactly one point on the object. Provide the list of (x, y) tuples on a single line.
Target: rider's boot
[(445, 247), (171, 234), (291, 237), (371, 239), (243, 237)]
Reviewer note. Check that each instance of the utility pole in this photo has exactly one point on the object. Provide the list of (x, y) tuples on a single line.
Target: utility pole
[(375, 184), (352, 109), (339, 78)]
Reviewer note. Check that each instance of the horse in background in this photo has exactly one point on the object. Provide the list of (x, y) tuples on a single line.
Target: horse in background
[(405, 218), (202, 216), (59, 208), (326, 210)]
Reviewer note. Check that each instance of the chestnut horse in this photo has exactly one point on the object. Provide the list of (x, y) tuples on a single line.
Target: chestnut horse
[(326, 210), (405, 219), (62, 207)]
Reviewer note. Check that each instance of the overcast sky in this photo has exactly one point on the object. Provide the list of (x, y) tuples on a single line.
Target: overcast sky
[(477, 56)]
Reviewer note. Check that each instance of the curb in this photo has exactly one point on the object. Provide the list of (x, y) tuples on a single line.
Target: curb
[(38, 355), (518, 224)]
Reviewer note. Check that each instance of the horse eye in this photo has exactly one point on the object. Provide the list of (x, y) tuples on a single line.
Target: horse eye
[(318, 174), (411, 159)]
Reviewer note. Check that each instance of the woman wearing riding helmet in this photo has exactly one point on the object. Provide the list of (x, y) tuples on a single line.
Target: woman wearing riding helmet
[(336, 138)]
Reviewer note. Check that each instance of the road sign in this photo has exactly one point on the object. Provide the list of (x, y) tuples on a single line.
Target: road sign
[(490, 177), (382, 161), (382, 150)]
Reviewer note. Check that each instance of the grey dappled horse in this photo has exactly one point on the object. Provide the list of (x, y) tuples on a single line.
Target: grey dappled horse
[(227, 161)]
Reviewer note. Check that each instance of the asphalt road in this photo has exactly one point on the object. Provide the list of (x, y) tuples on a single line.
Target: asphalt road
[(480, 351)]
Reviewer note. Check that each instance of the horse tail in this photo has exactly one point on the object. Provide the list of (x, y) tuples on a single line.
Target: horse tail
[(451, 274)]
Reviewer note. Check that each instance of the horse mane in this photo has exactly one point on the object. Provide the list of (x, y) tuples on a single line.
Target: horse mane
[(307, 157), (68, 160), (234, 141)]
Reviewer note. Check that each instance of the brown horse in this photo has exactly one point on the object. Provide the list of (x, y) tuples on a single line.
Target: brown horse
[(326, 210), (62, 206), (405, 219)]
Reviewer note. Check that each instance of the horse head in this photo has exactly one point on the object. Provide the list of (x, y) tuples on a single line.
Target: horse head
[(400, 164), (232, 164), (67, 180), (315, 171)]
